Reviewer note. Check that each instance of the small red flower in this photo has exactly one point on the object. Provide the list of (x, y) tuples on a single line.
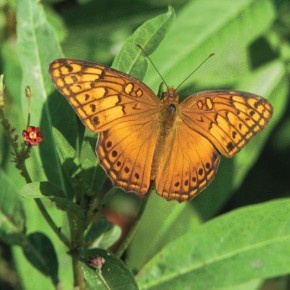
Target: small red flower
[(32, 136)]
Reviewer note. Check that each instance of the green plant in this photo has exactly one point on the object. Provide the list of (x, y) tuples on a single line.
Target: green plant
[(61, 223)]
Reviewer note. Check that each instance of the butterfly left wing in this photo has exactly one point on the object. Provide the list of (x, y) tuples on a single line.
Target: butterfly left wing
[(228, 119)]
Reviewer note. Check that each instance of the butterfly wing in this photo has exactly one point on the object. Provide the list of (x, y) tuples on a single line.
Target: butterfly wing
[(208, 124), (122, 109), (228, 119), (188, 164), (126, 153), (100, 95)]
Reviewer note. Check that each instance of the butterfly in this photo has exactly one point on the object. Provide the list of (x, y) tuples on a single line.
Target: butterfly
[(144, 139)]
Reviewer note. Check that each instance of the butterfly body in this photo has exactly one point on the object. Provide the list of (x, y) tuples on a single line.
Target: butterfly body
[(143, 139)]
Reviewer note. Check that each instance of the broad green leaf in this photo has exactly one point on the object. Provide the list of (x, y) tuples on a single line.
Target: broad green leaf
[(35, 46), (41, 254), (246, 244), (204, 27), (57, 22), (251, 285), (12, 216), (161, 223), (130, 59), (112, 274)]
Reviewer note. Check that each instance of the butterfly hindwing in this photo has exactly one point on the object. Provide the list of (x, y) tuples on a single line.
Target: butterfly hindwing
[(126, 153), (227, 118), (187, 166)]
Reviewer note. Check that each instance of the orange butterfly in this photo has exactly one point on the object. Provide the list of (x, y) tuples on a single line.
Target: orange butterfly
[(144, 139)]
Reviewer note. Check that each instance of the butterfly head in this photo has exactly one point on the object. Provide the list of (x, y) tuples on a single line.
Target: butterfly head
[(170, 96)]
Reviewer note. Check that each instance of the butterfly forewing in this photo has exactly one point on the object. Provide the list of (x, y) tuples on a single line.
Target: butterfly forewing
[(227, 118), (102, 96)]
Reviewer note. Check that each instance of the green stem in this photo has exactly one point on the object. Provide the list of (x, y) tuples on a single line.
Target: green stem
[(77, 231), (133, 228), (79, 282)]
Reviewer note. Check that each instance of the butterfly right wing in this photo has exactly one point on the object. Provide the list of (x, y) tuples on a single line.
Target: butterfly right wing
[(122, 110)]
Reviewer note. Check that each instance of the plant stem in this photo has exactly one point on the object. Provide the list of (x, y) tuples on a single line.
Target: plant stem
[(79, 282), (77, 228)]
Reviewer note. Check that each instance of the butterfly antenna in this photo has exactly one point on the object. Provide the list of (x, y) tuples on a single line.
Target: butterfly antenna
[(146, 55), (212, 54)]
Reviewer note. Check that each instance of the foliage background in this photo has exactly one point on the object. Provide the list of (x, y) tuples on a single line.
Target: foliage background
[(251, 43)]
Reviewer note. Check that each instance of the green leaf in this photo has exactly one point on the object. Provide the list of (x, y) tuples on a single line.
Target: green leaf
[(130, 59), (161, 223), (93, 279), (251, 285), (41, 189), (246, 244), (41, 254), (102, 234), (88, 155), (64, 149), (66, 154), (12, 216), (94, 176), (45, 189), (204, 27), (37, 46), (112, 274)]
